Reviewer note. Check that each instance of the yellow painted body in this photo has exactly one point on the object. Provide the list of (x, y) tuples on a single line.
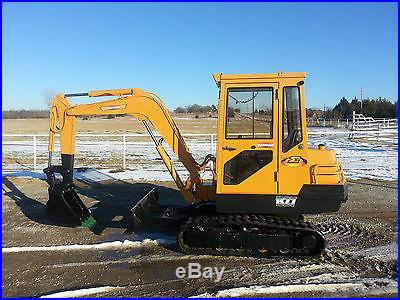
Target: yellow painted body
[(284, 175), (275, 178)]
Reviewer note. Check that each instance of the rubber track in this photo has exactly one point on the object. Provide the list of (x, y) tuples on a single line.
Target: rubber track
[(258, 222)]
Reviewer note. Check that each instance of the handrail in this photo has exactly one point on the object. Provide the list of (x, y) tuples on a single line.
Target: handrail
[(338, 172)]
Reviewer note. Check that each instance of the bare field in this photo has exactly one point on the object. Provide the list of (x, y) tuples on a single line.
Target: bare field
[(185, 123)]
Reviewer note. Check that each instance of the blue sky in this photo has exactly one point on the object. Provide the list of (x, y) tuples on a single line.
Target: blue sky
[(172, 49)]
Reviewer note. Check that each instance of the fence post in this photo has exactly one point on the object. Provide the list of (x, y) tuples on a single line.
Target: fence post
[(124, 152), (34, 152), (338, 124), (347, 123), (378, 134), (212, 143)]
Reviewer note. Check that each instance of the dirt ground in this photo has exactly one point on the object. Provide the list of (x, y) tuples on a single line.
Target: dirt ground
[(360, 259)]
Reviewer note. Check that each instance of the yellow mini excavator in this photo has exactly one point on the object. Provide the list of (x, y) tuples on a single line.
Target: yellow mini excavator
[(265, 177)]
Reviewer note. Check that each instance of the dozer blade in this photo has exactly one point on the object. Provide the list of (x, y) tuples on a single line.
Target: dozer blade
[(148, 214), (64, 205)]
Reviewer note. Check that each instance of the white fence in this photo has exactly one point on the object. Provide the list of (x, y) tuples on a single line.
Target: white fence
[(120, 143), (362, 123), (33, 141), (322, 122)]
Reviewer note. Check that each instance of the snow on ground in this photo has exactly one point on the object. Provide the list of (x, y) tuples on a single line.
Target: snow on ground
[(115, 245), (263, 290), (384, 253), (24, 173), (361, 159), (82, 292)]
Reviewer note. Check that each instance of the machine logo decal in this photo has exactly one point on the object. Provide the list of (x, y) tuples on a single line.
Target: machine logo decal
[(285, 201), (265, 145), (294, 161)]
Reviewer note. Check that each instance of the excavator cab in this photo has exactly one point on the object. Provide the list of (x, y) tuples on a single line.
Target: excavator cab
[(265, 176), (263, 152)]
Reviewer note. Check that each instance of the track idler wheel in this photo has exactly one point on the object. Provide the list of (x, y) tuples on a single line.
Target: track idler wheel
[(309, 242)]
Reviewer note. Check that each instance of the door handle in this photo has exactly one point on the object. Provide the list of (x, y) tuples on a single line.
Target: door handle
[(229, 148)]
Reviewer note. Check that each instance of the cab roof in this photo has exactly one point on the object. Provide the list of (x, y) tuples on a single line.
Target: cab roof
[(218, 77)]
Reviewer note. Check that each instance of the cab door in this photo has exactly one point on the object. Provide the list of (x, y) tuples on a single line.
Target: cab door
[(247, 138), (293, 166)]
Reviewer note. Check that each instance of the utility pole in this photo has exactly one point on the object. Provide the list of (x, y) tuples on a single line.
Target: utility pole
[(253, 115), (361, 98)]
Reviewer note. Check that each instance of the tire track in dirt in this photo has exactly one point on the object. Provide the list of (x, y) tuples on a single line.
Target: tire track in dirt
[(366, 266), (344, 229)]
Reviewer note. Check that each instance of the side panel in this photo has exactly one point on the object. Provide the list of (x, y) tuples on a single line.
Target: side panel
[(312, 199), (246, 164)]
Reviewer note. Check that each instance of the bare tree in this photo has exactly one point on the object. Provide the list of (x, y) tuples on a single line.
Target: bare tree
[(48, 96)]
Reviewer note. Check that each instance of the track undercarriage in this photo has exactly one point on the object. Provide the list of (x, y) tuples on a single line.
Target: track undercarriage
[(202, 231), (249, 235)]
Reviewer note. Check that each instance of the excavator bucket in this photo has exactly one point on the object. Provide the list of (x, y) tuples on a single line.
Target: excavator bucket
[(148, 214), (64, 205)]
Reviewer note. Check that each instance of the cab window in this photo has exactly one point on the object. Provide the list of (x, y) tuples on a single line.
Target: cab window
[(245, 164), (249, 113), (291, 127)]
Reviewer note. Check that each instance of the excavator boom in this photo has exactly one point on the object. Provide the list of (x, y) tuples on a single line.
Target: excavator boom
[(146, 107)]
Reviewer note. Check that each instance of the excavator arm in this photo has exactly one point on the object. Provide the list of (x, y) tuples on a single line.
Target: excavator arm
[(144, 106)]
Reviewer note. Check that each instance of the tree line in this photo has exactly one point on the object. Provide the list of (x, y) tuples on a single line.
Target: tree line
[(25, 114), (376, 108), (43, 114), (195, 108)]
